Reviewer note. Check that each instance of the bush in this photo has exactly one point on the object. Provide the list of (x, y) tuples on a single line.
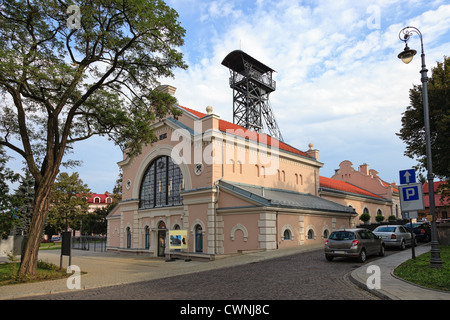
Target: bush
[(392, 218), (379, 218), (364, 217)]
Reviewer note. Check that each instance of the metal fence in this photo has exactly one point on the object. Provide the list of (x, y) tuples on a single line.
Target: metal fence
[(95, 243)]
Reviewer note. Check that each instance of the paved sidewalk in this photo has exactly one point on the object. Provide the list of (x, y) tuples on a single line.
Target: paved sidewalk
[(110, 268), (391, 287)]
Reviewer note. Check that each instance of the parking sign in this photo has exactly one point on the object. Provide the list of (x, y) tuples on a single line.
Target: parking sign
[(411, 197)]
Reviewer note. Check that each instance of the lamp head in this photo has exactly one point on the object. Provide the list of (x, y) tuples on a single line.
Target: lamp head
[(407, 55)]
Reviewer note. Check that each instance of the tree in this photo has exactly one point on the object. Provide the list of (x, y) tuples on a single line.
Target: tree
[(413, 128), (68, 202), (73, 69), (6, 206)]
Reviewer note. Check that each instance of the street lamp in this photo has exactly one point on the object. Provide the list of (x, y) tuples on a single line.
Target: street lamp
[(406, 56)]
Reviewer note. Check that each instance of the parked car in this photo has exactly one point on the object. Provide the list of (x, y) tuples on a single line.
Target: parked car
[(394, 236), (422, 230), (356, 243)]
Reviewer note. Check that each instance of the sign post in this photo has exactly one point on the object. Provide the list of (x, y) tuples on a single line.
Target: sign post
[(66, 247), (411, 200)]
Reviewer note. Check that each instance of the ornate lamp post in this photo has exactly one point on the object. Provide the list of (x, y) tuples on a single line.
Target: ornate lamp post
[(406, 56)]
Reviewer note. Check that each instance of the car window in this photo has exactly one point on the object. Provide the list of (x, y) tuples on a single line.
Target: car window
[(385, 229), (363, 234), (342, 235), (402, 229)]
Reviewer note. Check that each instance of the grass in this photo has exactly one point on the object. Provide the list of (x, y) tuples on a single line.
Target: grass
[(45, 271), (418, 271), (50, 246)]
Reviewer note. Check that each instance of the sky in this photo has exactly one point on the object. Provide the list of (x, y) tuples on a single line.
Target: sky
[(339, 83)]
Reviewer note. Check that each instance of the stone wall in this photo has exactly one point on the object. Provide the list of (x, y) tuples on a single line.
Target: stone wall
[(443, 232)]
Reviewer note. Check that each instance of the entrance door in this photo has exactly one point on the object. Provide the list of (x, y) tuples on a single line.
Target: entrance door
[(161, 239), (198, 238)]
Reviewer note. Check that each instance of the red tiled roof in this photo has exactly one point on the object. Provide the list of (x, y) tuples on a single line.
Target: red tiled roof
[(99, 195), (436, 185), (346, 187), (235, 129)]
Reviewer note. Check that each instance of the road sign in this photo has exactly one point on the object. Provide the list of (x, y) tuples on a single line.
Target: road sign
[(407, 176), (411, 197)]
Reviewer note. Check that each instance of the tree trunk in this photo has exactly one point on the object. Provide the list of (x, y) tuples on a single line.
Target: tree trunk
[(28, 264)]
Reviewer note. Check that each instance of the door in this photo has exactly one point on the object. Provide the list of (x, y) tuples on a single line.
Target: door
[(162, 239)]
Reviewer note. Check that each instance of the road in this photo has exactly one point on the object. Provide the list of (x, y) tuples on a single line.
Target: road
[(303, 276)]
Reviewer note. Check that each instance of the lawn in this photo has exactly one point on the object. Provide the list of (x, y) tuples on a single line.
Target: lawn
[(418, 271), (46, 271)]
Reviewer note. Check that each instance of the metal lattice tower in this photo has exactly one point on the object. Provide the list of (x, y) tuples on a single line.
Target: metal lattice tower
[(252, 83)]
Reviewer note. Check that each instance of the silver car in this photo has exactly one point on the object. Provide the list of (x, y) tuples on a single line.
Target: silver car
[(355, 243), (394, 236)]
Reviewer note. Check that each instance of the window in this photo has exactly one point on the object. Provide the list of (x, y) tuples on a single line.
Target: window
[(310, 234), (162, 184), (287, 235)]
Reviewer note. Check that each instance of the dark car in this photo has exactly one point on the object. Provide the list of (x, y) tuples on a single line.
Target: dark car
[(355, 243), (422, 230)]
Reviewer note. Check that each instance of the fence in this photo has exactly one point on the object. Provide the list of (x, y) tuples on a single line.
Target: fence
[(95, 243)]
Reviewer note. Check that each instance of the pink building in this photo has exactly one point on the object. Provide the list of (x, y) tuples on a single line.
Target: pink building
[(380, 197), (231, 189)]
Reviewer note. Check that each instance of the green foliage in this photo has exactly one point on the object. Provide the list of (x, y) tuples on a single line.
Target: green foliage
[(379, 218), (60, 84), (68, 203), (392, 218), (364, 217), (413, 127)]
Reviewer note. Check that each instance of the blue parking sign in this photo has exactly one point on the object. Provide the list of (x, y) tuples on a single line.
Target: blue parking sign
[(411, 197)]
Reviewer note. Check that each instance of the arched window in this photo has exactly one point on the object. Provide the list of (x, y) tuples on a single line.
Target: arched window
[(310, 234), (162, 184), (287, 234)]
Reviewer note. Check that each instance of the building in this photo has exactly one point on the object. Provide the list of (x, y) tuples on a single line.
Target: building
[(232, 190), (441, 204), (376, 196), (99, 200)]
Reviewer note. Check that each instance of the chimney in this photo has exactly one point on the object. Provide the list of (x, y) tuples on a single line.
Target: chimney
[(167, 89), (313, 152), (364, 168)]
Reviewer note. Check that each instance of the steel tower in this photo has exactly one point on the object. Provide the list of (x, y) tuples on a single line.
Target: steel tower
[(252, 83)]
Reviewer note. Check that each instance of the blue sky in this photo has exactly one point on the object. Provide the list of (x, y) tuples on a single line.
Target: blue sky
[(340, 85)]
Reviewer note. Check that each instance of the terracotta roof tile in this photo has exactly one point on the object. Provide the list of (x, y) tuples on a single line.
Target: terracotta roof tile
[(346, 187)]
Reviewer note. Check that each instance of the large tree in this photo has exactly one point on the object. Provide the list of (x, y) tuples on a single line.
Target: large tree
[(413, 128), (73, 69)]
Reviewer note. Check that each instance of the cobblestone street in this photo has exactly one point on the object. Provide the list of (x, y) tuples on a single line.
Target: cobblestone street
[(304, 276)]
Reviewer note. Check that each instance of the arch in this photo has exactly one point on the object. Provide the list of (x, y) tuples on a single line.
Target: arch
[(239, 227), (161, 184), (128, 237), (311, 232), (287, 230), (147, 237), (156, 152), (326, 232)]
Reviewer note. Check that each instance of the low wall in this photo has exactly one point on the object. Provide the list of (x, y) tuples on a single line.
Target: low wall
[(443, 233), (13, 243)]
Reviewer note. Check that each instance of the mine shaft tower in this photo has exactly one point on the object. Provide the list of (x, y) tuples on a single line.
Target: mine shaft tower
[(252, 83)]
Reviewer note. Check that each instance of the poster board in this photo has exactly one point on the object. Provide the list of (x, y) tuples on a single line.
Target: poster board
[(178, 239)]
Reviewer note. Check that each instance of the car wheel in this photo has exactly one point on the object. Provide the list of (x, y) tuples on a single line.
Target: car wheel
[(402, 245), (381, 254), (329, 258), (362, 256)]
